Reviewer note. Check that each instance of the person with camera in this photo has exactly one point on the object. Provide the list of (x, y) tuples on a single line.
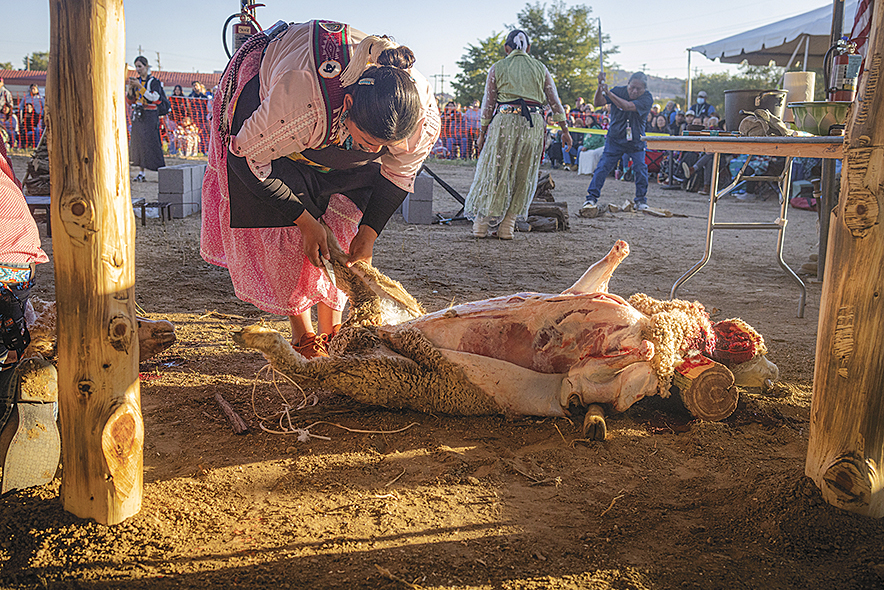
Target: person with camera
[(145, 94)]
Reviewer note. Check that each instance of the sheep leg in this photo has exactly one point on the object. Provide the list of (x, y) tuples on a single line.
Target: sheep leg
[(594, 427), (595, 279), (275, 348)]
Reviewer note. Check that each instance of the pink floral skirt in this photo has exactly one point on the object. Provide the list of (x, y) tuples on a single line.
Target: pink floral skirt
[(268, 266)]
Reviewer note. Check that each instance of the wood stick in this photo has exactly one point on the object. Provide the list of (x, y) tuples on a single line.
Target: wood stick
[(236, 422)]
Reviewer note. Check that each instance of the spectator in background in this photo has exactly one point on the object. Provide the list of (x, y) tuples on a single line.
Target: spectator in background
[(590, 153), (702, 108), (5, 95), (187, 136), (677, 126), (570, 155), (554, 150), (669, 111), (630, 106), (652, 116), (516, 89), (660, 125), (144, 93), (198, 90), (33, 97), (9, 124), (178, 90), (472, 118), (171, 127), (30, 126), (579, 107), (454, 131)]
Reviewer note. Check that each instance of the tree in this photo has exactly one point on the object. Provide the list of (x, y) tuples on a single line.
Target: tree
[(469, 84), (749, 77), (39, 60), (5, 65), (565, 39)]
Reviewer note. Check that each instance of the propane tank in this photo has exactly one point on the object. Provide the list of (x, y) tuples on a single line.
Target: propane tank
[(841, 79)]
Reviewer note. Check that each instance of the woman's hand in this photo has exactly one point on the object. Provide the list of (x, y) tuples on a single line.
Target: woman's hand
[(362, 246), (314, 239), (480, 141)]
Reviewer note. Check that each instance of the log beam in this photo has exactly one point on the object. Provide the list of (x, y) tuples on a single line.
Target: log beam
[(93, 244), (846, 447)]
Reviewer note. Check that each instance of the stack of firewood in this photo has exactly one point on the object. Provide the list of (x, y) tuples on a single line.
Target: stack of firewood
[(545, 214)]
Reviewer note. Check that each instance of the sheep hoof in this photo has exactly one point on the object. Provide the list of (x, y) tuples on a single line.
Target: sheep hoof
[(257, 337), (594, 427)]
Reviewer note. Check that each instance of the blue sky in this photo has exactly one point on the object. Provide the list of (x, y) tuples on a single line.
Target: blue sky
[(187, 34)]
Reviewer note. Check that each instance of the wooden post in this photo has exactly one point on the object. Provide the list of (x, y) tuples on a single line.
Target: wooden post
[(93, 245), (846, 448)]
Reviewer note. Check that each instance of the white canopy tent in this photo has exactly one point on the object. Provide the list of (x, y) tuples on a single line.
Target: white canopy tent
[(806, 37)]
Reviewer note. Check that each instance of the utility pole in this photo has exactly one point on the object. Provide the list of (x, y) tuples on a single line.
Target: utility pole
[(139, 50), (159, 67), (437, 78)]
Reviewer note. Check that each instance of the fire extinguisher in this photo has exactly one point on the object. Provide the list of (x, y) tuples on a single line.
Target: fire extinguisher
[(841, 76), (245, 28)]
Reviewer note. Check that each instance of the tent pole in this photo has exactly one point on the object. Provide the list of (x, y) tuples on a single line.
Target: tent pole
[(830, 188), (806, 51), (687, 98)]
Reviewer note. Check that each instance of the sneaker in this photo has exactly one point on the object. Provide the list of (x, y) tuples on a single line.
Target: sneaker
[(589, 210), (311, 346), (688, 171), (139, 178), (29, 444), (641, 206)]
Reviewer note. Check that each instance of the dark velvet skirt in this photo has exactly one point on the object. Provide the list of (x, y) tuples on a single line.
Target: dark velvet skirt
[(145, 145)]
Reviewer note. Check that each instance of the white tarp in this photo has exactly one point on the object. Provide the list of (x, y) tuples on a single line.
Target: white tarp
[(778, 41)]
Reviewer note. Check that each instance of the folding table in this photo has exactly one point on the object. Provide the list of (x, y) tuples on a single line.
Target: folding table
[(788, 147)]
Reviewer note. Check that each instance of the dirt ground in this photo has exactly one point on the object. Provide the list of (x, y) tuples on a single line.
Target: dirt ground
[(493, 502)]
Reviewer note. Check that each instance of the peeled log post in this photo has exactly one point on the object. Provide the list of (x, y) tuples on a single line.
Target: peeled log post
[(846, 447), (93, 244)]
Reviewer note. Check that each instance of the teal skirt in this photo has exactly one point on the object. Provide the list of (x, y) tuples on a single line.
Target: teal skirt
[(506, 174)]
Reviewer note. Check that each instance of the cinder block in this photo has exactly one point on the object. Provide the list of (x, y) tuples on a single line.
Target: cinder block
[(175, 179), (196, 177), (418, 212), (423, 188)]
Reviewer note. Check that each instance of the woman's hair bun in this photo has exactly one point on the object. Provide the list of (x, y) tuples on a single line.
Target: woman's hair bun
[(400, 57)]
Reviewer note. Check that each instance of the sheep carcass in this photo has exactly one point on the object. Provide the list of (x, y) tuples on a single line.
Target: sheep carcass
[(524, 354)]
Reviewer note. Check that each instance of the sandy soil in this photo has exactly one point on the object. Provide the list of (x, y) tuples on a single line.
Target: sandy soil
[(665, 502)]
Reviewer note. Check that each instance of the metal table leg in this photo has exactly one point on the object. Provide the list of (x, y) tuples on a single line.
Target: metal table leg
[(782, 181)]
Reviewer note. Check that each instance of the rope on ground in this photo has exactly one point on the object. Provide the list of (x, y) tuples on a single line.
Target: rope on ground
[(284, 416)]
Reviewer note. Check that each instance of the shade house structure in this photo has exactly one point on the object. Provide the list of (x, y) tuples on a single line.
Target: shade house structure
[(805, 37)]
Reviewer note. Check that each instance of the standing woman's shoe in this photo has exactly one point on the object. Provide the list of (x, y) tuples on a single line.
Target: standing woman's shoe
[(480, 227)]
